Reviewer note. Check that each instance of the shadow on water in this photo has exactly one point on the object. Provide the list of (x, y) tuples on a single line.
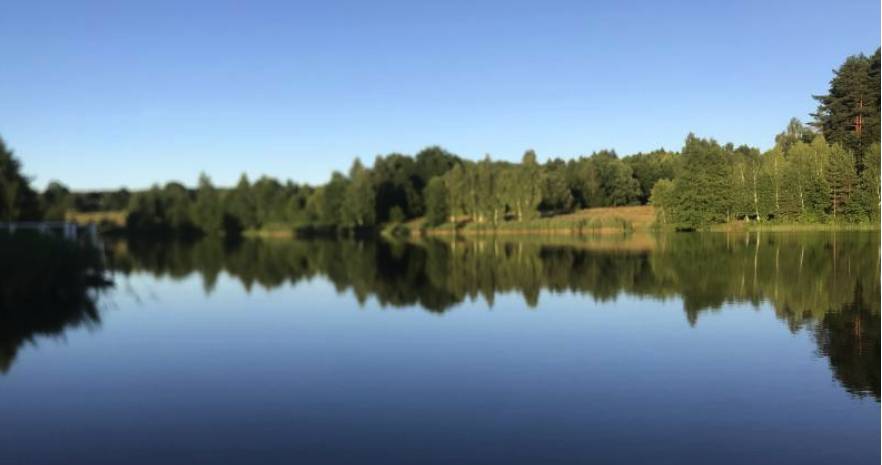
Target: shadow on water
[(823, 283), (47, 284)]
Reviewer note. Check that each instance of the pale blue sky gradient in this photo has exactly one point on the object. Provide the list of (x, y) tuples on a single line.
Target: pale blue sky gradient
[(106, 94)]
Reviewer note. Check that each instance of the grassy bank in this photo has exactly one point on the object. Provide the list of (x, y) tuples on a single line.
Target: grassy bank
[(607, 221), (797, 227), (112, 218), (587, 222)]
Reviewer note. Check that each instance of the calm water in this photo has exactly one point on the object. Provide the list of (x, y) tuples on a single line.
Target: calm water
[(718, 348)]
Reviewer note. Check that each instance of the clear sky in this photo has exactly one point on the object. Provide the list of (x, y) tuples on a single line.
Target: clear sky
[(106, 94)]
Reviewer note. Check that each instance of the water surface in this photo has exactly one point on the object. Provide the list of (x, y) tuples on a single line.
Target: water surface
[(687, 348)]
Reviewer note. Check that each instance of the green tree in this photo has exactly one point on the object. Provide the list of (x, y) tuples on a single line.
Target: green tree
[(556, 194), (853, 96), (330, 199), (437, 209), (488, 206), (617, 184), (804, 188), (585, 183), (648, 168), (663, 199), (208, 211), (359, 205), (702, 187), (795, 132), (56, 201), (842, 179), (176, 208), (869, 181), (18, 201), (529, 194), (455, 182), (241, 205)]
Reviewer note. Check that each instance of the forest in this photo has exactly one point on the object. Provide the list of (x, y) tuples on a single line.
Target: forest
[(827, 171)]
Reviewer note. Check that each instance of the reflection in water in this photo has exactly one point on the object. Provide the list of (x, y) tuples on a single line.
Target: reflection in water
[(47, 284), (850, 339), (825, 283)]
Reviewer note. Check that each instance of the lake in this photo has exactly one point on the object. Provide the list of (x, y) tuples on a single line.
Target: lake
[(680, 348)]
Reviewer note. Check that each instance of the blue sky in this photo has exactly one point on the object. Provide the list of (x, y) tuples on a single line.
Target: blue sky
[(106, 94)]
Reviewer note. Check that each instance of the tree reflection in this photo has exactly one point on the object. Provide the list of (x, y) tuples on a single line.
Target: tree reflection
[(827, 283), (46, 285)]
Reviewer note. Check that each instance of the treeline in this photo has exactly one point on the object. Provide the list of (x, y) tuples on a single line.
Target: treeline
[(492, 191), (392, 190), (825, 172), (397, 188), (803, 179), (20, 202), (828, 172)]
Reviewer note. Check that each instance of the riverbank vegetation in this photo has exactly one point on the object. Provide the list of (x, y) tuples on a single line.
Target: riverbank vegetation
[(827, 173)]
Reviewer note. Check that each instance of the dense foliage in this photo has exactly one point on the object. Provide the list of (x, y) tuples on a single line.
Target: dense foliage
[(18, 201), (849, 113), (806, 181), (435, 184)]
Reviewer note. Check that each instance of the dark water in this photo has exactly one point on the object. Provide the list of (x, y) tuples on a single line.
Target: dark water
[(688, 348)]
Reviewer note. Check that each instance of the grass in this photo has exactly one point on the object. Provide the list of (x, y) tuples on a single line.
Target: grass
[(591, 221), (787, 227), (110, 217), (623, 242), (272, 230)]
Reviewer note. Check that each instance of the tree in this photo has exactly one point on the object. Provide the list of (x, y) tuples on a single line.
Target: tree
[(56, 201), (330, 200), (176, 208), (359, 205), (437, 209), (145, 212), (852, 98), (772, 169), (746, 182), (617, 184), (269, 199), (648, 168), (804, 188), (585, 183), (454, 180), (208, 212), (241, 204), (487, 203), (397, 184), (795, 132), (556, 195), (842, 179), (529, 194), (662, 198), (869, 181), (18, 201), (702, 188), (431, 162)]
